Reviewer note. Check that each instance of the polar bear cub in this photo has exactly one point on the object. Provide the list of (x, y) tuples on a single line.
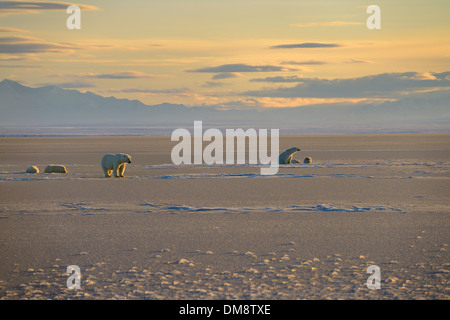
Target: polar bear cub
[(115, 163)]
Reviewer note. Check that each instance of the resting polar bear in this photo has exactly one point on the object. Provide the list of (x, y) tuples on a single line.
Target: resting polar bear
[(286, 156), (33, 169), (55, 168), (115, 163)]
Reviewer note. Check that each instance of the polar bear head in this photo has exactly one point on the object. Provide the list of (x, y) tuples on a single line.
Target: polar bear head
[(125, 158), (293, 150)]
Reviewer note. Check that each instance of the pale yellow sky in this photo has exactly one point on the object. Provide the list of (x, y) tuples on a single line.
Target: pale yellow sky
[(214, 52)]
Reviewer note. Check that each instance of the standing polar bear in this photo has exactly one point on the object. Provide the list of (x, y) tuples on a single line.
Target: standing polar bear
[(115, 163)]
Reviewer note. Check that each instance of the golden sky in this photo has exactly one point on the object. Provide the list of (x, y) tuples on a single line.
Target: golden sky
[(228, 53)]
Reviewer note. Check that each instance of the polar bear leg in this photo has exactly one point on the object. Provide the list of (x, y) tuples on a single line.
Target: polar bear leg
[(107, 172), (121, 169), (115, 170)]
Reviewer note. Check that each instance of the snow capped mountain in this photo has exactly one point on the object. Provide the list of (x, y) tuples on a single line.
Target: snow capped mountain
[(52, 106)]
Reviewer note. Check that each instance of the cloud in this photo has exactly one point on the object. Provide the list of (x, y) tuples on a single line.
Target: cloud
[(20, 66), (432, 76), (33, 47), (84, 80), (179, 91), (327, 24), (308, 62), (25, 44), (121, 75), (294, 78), (386, 85), (359, 61), (306, 45), (71, 85), (13, 39), (13, 30), (441, 76), (225, 75), (6, 57), (213, 84), (20, 44), (240, 67), (257, 103), (30, 7)]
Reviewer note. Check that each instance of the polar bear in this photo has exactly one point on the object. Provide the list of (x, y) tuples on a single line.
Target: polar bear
[(55, 168), (115, 163), (33, 169), (307, 160), (286, 156)]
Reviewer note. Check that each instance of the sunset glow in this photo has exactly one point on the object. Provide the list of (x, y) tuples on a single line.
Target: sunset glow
[(217, 52)]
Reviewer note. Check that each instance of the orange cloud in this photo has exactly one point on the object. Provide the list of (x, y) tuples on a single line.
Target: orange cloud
[(32, 7)]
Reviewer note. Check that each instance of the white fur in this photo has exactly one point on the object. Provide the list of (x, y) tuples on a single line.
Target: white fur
[(115, 163), (55, 168), (33, 169), (286, 156)]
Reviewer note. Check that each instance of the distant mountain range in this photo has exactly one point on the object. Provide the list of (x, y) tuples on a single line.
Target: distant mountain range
[(48, 106)]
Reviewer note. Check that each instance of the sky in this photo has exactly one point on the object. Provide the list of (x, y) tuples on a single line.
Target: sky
[(230, 53)]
